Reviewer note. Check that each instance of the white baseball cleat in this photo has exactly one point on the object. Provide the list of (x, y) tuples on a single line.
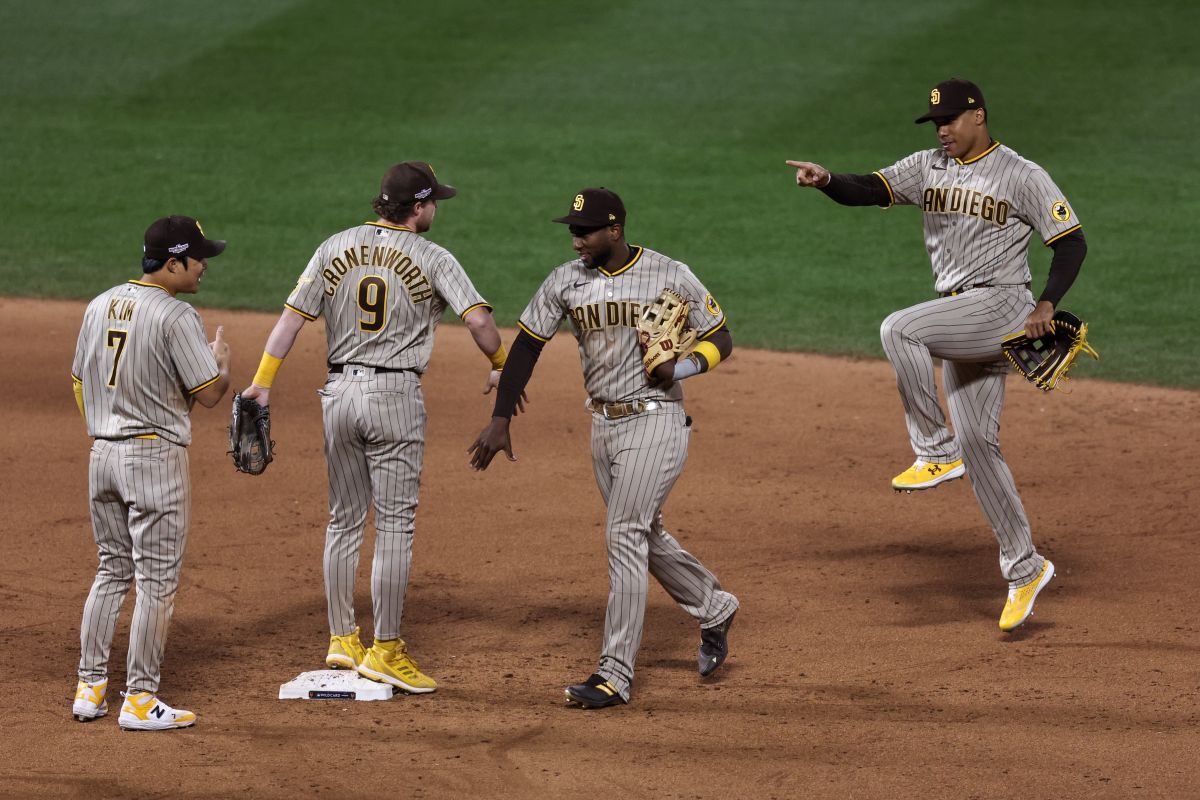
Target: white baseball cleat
[(142, 711), (89, 700)]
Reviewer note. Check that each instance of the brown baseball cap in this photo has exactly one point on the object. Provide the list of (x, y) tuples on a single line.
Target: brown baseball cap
[(951, 98), (595, 208), (410, 181), (178, 236)]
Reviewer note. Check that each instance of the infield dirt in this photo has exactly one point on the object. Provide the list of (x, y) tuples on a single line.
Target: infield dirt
[(866, 661)]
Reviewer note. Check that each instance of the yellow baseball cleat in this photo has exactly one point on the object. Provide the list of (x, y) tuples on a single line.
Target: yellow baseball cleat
[(389, 662), (926, 475), (1020, 600), (89, 700), (142, 711), (345, 652)]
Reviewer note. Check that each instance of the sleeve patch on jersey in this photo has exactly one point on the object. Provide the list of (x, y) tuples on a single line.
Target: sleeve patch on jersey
[(1060, 210), (710, 303)]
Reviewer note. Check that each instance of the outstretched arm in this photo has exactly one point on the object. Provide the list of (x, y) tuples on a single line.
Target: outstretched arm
[(517, 370), (847, 189), (483, 330), (279, 344)]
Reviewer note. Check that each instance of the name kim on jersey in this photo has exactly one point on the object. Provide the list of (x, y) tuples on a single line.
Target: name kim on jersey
[(121, 310), (388, 258), (972, 202)]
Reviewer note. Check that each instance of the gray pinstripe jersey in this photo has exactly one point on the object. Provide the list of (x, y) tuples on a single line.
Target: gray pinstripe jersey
[(979, 214), (382, 290), (141, 354), (603, 309)]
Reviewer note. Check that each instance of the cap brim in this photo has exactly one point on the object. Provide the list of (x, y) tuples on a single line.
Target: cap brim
[(583, 222), (947, 112), (210, 248), (444, 192)]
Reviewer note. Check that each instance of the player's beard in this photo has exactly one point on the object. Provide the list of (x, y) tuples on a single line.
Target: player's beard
[(601, 259)]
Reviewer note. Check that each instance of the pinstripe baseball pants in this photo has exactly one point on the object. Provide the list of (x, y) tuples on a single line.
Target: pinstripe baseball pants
[(140, 505), (637, 460), (374, 447), (965, 331)]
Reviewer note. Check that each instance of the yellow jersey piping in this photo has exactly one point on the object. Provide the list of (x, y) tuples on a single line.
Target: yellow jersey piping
[(521, 325), (1054, 239), (204, 385), (298, 311), (888, 186), (463, 315), (632, 261), (981, 155)]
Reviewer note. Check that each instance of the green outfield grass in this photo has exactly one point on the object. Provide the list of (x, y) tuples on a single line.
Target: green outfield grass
[(273, 121)]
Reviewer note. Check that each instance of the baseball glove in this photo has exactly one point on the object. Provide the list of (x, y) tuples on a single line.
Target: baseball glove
[(1044, 361), (250, 436), (663, 332)]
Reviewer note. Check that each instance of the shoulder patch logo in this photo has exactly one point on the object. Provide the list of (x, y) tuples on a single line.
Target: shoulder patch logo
[(710, 304), (1060, 210), (935, 97), (578, 204)]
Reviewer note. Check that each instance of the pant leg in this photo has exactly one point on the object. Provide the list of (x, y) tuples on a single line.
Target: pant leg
[(114, 575), (395, 448), (975, 394), (903, 335), (349, 496), (156, 484), (638, 459), (687, 581)]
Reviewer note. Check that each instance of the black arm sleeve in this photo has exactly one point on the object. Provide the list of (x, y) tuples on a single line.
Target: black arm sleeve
[(1064, 267), (857, 190), (517, 371)]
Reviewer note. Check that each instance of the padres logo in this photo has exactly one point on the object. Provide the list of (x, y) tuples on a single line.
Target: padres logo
[(935, 97), (710, 303), (1060, 210), (578, 204)]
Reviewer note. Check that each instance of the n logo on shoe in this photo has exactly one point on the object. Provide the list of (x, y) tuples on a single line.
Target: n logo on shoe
[(158, 711)]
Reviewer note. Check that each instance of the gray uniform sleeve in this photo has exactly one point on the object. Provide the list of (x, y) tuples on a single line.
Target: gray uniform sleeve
[(546, 310), (454, 286), (306, 298), (1044, 206), (704, 312), (905, 179), (190, 353)]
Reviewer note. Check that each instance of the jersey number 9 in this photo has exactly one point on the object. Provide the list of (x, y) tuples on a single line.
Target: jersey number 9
[(372, 299)]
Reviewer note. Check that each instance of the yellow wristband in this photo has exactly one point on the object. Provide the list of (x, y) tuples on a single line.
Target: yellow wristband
[(711, 354), (266, 370), (499, 357)]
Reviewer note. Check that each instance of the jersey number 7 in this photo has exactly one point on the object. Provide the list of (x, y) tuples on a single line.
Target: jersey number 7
[(115, 339)]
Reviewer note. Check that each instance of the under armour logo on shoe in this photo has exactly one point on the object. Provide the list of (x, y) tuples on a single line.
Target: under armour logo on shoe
[(934, 469)]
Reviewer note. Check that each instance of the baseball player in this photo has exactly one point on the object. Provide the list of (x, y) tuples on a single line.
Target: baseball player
[(981, 203), (382, 288), (639, 428), (141, 361)]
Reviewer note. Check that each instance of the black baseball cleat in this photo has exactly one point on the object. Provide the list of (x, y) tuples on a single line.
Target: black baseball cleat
[(595, 692), (714, 646)]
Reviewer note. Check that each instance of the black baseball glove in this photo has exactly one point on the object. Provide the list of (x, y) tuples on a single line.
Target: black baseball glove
[(250, 436), (1044, 361)]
